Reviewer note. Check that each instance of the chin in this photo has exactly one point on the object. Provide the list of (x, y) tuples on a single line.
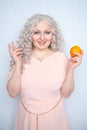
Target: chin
[(42, 48)]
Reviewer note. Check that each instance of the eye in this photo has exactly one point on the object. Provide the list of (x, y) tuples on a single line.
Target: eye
[(36, 32), (47, 32)]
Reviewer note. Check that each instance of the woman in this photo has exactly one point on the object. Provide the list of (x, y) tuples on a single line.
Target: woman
[(41, 74)]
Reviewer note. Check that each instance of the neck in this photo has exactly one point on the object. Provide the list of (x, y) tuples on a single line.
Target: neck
[(40, 52)]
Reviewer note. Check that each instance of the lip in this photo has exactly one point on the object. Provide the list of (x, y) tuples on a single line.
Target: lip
[(42, 42)]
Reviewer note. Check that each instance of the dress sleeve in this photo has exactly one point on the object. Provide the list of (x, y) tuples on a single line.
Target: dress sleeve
[(65, 63), (66, 60)]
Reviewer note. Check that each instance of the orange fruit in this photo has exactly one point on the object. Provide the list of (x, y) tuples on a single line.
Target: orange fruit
[(76, 49)]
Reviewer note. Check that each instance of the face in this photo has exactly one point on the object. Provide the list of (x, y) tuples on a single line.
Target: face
[(42, 36)]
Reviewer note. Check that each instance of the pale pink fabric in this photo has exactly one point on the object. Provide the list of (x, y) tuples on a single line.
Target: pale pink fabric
[(40, 92)]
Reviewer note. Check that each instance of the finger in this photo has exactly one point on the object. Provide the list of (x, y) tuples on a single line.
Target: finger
[(77, 54), (17, 50), (12, 46), (18, 53), (9, 47), (74, 59)]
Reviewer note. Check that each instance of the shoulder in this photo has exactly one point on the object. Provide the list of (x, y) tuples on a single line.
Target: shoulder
[(62, 58), (61, 55)]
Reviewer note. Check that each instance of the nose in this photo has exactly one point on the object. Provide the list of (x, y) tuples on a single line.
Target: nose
[(42, 36)]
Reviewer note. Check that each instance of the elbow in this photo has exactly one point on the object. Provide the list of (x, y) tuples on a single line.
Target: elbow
[(66, 94), (12, 93)]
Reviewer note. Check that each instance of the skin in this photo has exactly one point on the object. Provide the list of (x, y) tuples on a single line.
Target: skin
[(41, 39), (68, 84)]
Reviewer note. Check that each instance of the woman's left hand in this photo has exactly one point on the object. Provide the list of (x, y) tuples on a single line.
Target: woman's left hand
[(75, 61)]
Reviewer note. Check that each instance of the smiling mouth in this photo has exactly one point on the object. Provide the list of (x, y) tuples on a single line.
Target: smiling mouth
[(42, 43)]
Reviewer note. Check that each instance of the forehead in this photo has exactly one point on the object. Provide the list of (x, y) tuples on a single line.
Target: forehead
[(42, 25)]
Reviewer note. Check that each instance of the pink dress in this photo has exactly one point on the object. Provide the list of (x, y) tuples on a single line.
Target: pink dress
[(41, 105)]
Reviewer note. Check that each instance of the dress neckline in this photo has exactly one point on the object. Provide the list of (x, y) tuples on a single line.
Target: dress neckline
[(45, 58)]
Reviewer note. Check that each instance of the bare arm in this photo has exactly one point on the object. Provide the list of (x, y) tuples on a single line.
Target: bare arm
[(68, 84), (14, 82)]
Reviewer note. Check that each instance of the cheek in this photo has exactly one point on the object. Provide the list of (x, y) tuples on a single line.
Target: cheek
[(34, 38), (49, 38)]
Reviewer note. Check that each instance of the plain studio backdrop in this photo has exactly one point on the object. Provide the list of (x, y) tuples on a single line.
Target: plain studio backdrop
[(72, 18)]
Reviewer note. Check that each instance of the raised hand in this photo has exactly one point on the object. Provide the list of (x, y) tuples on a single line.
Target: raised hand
[(75, 61), (16, 54)]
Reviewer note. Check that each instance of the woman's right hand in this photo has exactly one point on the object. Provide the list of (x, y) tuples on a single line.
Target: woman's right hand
[(16, 54)]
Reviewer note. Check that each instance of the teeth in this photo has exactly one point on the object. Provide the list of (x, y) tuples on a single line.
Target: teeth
[(42, 43)]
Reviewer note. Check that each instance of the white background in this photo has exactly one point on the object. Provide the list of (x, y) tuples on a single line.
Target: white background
[(72, 18)]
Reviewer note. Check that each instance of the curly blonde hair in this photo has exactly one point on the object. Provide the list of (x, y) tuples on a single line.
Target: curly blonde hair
[(25, 38)]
